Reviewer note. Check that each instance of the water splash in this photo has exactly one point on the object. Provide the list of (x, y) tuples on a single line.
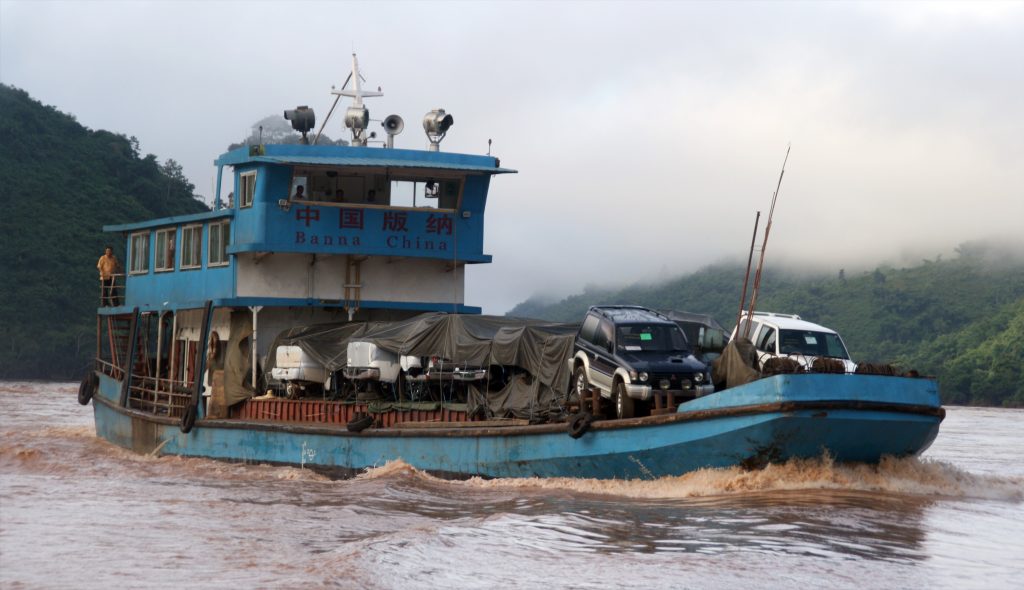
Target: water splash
[(908, 476)]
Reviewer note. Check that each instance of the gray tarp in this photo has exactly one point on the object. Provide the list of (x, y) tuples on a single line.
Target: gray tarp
[(736, 366), (540, 348)]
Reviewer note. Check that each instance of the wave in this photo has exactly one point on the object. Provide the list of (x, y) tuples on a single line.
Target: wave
[(905, 476)]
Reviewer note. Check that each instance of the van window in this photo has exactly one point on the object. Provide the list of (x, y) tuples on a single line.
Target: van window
[(812, 343), (767, 340), (755, 331), (741, 328), (603, 335), (589, 328), (651, 338)]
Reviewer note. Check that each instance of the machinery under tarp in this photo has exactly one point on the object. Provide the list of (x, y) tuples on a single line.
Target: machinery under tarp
[(539, 348)]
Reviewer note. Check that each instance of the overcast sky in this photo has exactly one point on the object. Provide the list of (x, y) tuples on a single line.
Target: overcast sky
[(646, 135)]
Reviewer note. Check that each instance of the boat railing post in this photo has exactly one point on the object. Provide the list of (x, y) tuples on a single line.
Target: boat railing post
[(255, 325), (200, 361), (127, 368)]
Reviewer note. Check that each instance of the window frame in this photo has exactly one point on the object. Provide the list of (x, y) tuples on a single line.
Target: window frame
[(589, 328), (173, 232), (246, 197), (132, 270), (224, 229), (768, 342), (369, 174), (604, 335), (199, 253)]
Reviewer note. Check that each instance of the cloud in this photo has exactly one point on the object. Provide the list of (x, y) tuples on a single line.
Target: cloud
[(646, 135)]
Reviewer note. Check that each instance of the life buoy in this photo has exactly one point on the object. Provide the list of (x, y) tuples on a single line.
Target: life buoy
[(359, 423), (87, 388), (579, 424), (188, 419)]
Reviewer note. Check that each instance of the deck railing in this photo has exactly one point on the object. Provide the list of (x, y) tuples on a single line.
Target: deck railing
[(113, 294), (109, 369), (160, 397)]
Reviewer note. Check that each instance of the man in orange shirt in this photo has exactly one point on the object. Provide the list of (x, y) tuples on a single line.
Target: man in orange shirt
[(107, 265)]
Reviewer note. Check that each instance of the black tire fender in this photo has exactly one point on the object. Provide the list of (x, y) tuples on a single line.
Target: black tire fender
[(579, 424), (87, 388), (360, 423)]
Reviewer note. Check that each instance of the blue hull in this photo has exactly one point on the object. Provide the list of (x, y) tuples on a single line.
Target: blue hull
[(852, 417)]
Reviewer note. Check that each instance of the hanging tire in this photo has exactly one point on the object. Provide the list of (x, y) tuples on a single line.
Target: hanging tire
[(359, 423), (87, 388), (579, 424), (188, 419), (625, 406)]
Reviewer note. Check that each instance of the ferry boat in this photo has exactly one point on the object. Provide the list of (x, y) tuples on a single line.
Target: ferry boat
[(330, 242)]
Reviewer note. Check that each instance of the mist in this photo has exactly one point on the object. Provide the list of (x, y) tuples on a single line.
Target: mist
[(646, 136)]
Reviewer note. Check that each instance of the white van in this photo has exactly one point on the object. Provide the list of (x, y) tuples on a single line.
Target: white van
[(786, 335)]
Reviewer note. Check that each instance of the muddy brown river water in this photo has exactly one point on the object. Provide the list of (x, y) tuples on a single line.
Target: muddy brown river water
[(77, 512)]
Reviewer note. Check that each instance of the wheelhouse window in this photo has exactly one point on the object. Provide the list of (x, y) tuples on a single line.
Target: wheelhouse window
[(165, 249), (191, 246), (218, 243), (138, 262), (246, 188), (377, 186)]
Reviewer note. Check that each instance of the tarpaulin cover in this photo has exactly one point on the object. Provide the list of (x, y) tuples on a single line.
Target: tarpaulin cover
[(238, 360), (736, 366), (540, 348)]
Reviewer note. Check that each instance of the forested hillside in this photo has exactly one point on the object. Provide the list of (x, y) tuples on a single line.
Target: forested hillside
[(59, 184), (961, 320)]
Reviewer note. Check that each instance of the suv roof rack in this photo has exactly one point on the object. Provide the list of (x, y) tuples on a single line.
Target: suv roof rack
[(791, 316), (604, 309)]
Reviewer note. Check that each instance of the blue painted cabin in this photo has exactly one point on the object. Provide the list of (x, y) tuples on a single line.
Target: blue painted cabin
[(307, 234)]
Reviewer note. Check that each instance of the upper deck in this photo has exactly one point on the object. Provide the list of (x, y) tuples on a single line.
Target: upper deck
[(406, 220), (360, 200)]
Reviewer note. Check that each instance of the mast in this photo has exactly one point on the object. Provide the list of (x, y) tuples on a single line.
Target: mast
[(357, 117), (764, 246), (746, 275)]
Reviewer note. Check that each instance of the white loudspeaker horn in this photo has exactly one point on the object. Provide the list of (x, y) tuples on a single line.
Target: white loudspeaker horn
[(392, 125)]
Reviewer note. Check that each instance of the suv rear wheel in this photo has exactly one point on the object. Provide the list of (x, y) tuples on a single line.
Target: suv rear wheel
[(579, 382), (625, 407)]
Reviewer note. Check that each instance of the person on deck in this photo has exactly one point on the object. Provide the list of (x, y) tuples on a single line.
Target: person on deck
[(107, 265), (300, 192)]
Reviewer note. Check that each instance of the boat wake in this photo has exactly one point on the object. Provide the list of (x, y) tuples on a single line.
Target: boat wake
[(906, 476)]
